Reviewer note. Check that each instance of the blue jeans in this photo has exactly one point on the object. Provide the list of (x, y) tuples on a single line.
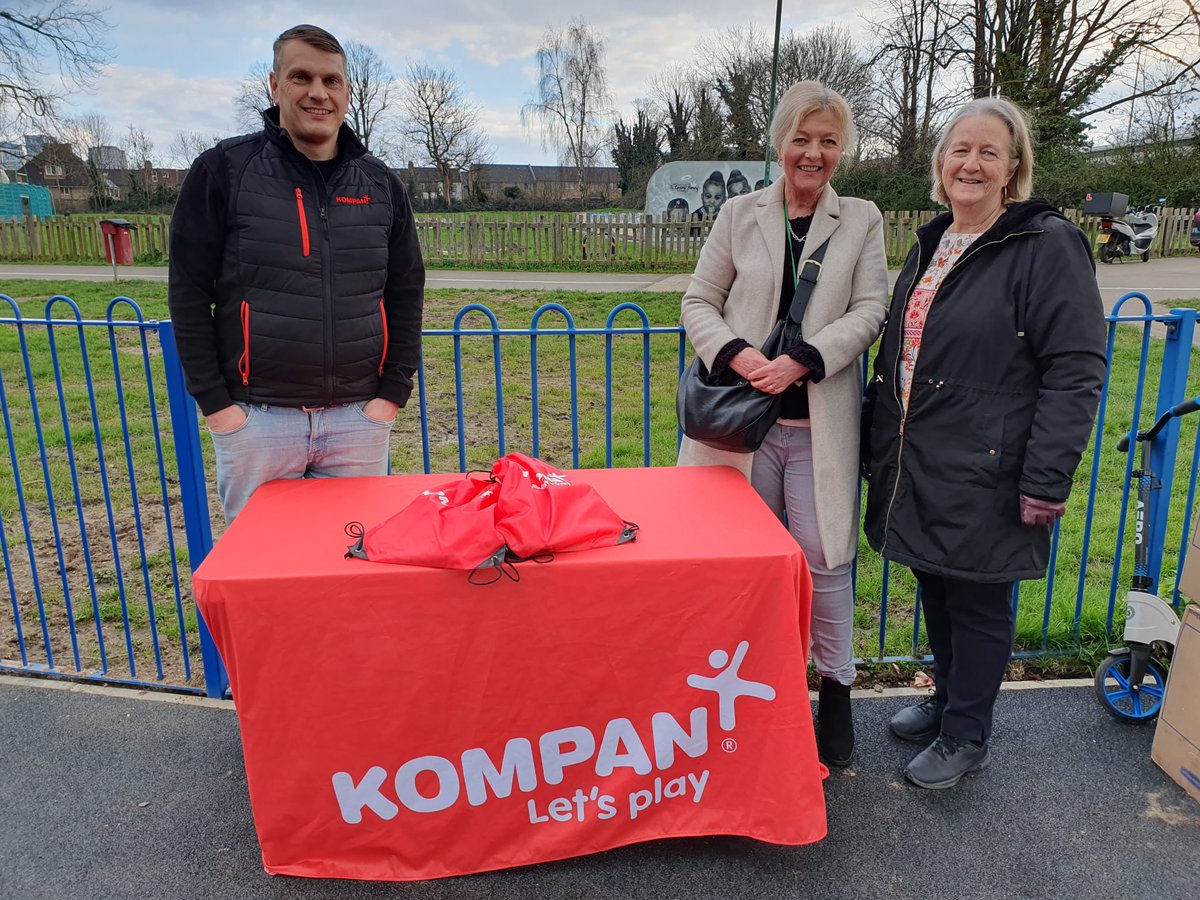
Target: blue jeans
[(286, 442)]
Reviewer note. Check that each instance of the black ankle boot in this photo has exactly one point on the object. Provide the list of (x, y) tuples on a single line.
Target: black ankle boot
[(835, 727)]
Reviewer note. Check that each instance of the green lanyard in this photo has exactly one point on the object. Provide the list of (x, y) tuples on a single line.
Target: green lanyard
[(791, 252), (789, 238)]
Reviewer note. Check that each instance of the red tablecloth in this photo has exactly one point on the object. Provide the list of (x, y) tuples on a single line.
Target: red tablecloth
[(399, 723)]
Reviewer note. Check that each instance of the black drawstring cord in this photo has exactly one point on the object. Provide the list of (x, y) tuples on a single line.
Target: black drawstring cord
[(356, 530)]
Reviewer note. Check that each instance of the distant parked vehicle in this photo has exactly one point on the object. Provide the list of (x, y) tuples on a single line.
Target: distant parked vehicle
[(1195, 236), (1131, 235)]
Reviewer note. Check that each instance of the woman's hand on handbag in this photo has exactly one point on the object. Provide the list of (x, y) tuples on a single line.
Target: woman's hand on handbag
[(747, 361), (777, 375)]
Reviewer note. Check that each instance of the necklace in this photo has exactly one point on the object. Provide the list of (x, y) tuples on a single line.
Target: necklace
[(799, 240)]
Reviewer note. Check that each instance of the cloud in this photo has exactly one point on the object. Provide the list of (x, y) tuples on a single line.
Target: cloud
[(177, 66), (161, 103)]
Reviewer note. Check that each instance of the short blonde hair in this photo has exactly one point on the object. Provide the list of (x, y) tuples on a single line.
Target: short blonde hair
[(799, 102), (1020, 185)]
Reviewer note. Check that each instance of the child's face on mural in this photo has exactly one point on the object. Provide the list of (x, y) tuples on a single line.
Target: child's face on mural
[(712, 197)]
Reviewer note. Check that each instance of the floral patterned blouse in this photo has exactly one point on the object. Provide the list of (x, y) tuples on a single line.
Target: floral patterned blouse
[(949, 249)]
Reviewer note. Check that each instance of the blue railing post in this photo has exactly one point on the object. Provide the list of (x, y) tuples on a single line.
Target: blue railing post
[(193, 490), (1172, 386)]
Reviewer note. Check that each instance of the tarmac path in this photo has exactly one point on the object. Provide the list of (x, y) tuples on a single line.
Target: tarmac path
[(122, 794)]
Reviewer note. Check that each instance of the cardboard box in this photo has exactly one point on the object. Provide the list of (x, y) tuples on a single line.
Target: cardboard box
[(1105, 204), (1189, 579), (1176, 746)]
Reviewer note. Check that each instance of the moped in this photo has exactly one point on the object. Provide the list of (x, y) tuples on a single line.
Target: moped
[(1129, 236)]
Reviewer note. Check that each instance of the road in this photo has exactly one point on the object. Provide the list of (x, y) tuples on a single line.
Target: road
[(1161, 280)]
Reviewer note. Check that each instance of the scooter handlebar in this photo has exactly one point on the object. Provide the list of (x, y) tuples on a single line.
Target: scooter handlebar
[(1181, 409), (1186, 407)]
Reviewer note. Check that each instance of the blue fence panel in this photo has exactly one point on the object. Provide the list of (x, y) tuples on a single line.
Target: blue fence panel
[(99, 586), (91, 501)]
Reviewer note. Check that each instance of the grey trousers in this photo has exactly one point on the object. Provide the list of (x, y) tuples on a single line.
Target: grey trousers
[(783, 476)]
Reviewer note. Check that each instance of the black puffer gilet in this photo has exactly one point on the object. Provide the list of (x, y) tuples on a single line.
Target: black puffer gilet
[(303, 274)]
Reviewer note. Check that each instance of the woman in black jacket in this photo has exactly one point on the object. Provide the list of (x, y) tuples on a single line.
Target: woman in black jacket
[(983, 397)]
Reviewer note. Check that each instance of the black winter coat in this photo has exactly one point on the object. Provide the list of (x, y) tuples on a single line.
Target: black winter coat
[(1002, 403)]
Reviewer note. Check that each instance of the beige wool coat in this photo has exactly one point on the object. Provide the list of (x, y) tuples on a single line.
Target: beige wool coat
[(735, 293)]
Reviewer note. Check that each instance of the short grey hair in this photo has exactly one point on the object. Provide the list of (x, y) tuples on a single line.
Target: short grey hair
[(799, 102), (1020, 151)]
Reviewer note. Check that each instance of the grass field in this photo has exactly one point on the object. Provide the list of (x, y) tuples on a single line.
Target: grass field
[(91, 568)]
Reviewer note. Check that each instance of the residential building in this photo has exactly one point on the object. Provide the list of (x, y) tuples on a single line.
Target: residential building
[(149, 178), (425, 183), (67, 177)]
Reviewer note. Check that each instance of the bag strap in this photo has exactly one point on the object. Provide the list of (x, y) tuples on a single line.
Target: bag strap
[(804, 281)]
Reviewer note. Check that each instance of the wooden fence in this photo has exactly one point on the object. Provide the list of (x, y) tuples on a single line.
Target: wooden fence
[(628, 241), (78, 238)]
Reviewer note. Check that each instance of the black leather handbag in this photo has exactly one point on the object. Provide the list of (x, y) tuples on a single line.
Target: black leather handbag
[(726, 412)]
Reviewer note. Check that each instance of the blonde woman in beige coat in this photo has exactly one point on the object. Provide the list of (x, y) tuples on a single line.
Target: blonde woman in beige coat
[(807, 467)]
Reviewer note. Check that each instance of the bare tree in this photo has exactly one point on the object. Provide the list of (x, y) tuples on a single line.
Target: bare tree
[(572, 96), (1063, 60), (737, 69), (34, 32), (185, 146), (253, 98), (672, 94), (90, 135), (1162, 119), (739, 62), (914, 50), (372, 90), (442, 123), (828, 55), (138, 150)]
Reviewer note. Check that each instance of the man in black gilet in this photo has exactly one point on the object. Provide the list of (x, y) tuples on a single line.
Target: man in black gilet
[(296, 285)]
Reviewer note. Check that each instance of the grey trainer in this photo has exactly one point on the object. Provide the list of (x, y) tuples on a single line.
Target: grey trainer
[(944, 762), (920, 723)]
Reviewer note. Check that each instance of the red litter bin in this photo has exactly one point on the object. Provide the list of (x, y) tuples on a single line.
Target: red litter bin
[(118, 245)]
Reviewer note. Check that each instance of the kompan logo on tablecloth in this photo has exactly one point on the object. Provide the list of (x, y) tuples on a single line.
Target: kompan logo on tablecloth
[(620, 746)]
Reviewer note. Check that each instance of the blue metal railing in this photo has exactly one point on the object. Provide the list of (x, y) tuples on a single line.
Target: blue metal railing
[(96, 540), (116, 581)]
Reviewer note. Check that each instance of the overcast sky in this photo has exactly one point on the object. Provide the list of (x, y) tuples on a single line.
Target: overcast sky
[(176, 65)]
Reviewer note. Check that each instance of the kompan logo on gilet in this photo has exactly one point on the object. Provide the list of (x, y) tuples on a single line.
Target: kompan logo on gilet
[(620, 746)]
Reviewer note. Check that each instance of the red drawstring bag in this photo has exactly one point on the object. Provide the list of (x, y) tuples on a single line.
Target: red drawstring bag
[(524, 510), (542, 510), (452, 526)]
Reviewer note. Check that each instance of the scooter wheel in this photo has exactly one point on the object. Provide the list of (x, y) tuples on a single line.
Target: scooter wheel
[(1145, 256), (1139, 705)]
